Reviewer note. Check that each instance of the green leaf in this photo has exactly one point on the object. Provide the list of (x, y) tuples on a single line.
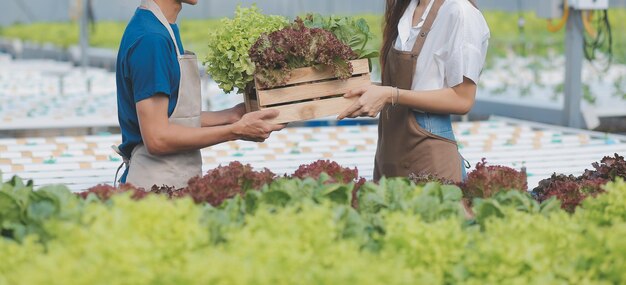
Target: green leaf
[(352, 32), (17, 231), (550, 206), (427, 207), (433, 189), (229, 45), (252, 200), (397, 193), (486, 209), (451, 193), (370, 201), (355, 42), (16, 182), (10, 209), (60, 196), (521, 201), (276, 198), (369, 54), (338, 193), (38, 211), (363, 27)]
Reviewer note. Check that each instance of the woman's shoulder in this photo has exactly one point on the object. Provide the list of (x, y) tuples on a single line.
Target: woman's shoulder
[(460, 8), (464, 14)]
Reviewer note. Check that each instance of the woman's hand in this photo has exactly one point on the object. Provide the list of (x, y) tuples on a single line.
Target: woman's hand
[(372, 100)]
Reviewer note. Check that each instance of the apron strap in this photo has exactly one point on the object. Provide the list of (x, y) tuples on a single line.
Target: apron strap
[(117, 173), (154, 8), (465, 162), (430, 19), (473, 2), (125, 162)]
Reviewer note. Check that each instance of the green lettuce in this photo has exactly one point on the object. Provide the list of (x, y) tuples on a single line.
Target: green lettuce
[(227, 60)]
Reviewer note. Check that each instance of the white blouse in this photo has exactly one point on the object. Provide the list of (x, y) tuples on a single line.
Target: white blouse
[(456, 46)]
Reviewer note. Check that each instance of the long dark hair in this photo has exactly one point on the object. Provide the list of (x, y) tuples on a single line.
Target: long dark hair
[(394, 9)]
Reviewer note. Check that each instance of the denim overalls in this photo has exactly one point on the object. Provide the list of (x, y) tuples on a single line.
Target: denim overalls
[(439, 125)]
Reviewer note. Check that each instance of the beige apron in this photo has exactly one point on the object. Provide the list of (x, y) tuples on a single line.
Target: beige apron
[(146, 170), (403, 146)]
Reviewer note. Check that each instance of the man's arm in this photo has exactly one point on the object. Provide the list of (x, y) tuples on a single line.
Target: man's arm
[(161, 137), (224, 117)]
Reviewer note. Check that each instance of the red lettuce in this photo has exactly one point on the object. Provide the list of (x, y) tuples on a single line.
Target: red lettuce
[(276, 54), (425, 178), (225, 182), (104, 192), (485, 181), (608, 168), (570, 190), (170, 192)]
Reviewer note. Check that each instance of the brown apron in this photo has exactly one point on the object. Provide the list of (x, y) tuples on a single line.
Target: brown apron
[(403, 146), (175, 170)]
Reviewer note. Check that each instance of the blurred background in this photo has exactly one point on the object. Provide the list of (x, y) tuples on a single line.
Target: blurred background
[(121, 10), (525, 65)]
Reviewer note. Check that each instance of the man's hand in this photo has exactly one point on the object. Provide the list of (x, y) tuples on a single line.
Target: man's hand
[(162, 137), (254, 127), (372, 100)]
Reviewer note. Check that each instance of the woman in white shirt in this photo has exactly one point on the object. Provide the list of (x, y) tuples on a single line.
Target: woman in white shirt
[(432, 55)]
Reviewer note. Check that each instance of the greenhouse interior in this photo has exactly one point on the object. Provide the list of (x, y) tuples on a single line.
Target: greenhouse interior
[(313, 142)]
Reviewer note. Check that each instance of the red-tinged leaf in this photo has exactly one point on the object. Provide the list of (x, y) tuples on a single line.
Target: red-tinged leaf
[(104, 192), (225, 182), (485, 181), (275, 55)]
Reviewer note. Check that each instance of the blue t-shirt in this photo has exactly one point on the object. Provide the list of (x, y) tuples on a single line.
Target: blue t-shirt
[(146, 65)]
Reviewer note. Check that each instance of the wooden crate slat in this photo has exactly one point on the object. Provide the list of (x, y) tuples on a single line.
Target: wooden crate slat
[(307, 74), (311, 110), (311, 91), (309, 94)]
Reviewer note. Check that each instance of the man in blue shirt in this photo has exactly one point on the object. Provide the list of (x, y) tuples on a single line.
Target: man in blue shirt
[(159, 104)]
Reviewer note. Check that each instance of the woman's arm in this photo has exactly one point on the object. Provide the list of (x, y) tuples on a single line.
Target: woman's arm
[(456, 100), (161, 137)]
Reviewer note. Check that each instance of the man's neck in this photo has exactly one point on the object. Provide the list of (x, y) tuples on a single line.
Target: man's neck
[(170, 9)]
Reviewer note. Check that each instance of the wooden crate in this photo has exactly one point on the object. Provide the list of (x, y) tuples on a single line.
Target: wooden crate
[(311, 93)]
